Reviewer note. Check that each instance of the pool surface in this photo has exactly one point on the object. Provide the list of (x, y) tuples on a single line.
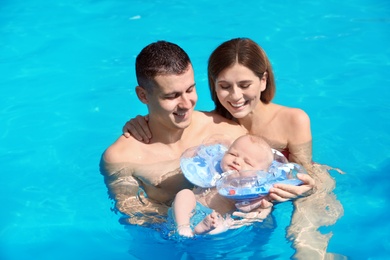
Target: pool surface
[(67, 87)]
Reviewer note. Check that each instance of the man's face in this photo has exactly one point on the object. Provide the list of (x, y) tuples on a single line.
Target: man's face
[(173, 101)]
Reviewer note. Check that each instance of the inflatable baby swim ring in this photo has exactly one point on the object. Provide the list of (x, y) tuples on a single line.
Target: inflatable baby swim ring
[(201, 166), (248, 185)]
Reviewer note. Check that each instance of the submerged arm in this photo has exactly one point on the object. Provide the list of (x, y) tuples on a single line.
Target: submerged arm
[(129, 197)]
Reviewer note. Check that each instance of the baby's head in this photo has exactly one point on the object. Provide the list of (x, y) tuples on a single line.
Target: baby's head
[(248, 152)]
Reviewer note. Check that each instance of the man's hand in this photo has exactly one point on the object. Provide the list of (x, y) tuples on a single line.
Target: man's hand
[(260, 209)]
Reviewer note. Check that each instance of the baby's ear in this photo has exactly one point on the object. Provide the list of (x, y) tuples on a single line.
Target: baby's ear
[(141, 94)]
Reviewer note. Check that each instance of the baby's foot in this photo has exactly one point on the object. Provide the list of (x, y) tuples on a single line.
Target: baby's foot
[(209, 223), (185, 231)]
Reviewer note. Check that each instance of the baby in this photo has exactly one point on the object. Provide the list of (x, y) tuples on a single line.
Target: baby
[(247, 152)]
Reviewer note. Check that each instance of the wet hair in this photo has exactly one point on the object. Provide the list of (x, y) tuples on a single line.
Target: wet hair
[(160, 58), (248, 53)]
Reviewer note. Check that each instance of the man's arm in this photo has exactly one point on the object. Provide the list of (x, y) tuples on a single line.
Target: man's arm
[(129, 197)]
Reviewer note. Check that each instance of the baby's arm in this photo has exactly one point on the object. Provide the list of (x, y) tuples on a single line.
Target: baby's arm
[(182, 207)]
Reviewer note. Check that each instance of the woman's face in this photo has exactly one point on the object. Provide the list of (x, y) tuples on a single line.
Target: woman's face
[(239, 89)]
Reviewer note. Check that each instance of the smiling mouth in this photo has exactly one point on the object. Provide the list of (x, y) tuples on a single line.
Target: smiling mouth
[(238, 105), (180, 114)]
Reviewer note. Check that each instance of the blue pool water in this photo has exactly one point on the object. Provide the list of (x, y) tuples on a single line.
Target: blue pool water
[(67, 87)]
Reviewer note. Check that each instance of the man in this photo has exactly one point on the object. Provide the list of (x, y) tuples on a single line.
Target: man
[(144, 178)]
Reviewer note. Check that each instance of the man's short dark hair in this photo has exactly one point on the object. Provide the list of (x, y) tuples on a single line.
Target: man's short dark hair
[(160, 58)]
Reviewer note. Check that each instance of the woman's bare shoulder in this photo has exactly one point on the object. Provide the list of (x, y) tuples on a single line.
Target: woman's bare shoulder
[(296, 124), (299, 117), (294, 116)]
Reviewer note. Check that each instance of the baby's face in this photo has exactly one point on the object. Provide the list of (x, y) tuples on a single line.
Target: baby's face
[(244, 155)]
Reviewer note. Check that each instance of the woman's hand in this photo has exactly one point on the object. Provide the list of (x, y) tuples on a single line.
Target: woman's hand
[(284, 192), (138, 128)]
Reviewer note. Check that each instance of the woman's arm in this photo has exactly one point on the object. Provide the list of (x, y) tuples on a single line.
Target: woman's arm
[(298, 132)]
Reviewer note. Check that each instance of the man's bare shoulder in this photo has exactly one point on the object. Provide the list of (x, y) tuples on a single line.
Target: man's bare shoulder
[(217, 124), (120, 150), (130, 151), (211, 116)]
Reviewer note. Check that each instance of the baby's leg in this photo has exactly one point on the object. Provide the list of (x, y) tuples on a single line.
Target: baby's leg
[(183, 206), (212, 224)]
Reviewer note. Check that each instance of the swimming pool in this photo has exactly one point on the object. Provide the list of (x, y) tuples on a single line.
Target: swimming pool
[(67, 79)]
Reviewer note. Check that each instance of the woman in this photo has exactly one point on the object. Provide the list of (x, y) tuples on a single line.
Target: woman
[(242, 87)]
